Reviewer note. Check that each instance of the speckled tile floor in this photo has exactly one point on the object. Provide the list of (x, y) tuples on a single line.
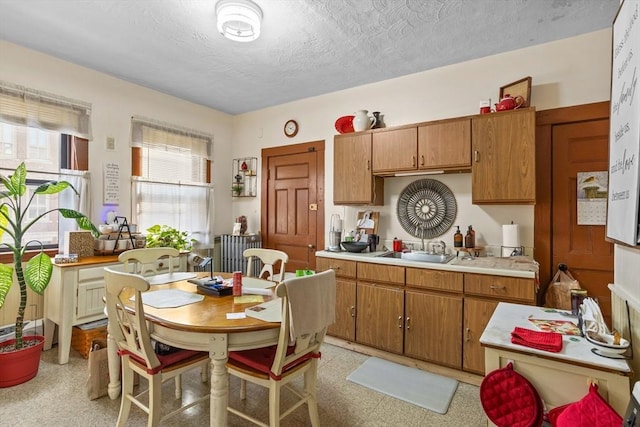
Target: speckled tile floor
[(56, 397)]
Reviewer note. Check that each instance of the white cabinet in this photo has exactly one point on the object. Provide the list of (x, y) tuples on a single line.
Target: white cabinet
[(74, 296)]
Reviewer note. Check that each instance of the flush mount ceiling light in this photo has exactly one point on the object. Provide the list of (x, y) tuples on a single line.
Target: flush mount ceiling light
[(239, 20)]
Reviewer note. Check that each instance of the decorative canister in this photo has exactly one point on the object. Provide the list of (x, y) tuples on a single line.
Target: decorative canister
[(362, 121)]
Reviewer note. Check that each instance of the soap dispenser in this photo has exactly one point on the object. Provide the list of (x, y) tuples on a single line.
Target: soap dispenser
[(470, 238), (457, 238)]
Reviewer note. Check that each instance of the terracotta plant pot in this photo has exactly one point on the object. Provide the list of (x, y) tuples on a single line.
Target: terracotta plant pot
[(17, 367)]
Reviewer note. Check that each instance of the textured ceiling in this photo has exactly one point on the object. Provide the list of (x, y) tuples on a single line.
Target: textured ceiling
[(307, 47)]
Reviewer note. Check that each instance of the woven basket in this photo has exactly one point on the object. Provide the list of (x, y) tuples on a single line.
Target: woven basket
[(81, 338)]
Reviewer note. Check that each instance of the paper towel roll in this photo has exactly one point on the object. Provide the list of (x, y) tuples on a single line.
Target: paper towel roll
[(511, 235)]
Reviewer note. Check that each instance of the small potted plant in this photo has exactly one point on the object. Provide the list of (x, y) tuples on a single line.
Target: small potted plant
[(166, 236), (237, 189), (35, 274)]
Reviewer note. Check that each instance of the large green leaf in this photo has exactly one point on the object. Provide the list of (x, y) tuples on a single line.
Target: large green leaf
[(82, 220), (18, 180), (38, 271), (6, 280), (4, 219), (54, 187)]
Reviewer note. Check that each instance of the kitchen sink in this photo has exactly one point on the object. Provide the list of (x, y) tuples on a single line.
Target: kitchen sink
[(420, 256)]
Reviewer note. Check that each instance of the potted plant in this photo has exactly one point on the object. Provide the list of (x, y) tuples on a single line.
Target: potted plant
[(36, 273), (237, 189), (166, 236)]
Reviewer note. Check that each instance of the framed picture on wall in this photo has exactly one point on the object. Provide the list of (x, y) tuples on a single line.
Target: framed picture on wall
[(624, 130)]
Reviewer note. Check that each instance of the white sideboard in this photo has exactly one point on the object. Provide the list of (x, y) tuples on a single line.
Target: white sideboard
[(74, 296)]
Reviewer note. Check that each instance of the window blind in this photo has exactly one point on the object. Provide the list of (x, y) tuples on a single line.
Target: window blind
[(171, 151), (33, 108)]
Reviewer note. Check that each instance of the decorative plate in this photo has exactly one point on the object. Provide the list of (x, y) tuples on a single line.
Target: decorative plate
[(344, 124), (426, 208)]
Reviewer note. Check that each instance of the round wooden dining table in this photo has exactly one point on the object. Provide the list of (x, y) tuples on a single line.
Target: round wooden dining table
[(205, 326)]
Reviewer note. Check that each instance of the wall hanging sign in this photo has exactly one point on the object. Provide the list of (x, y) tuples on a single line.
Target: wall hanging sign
[(624, 133), (111, 184)]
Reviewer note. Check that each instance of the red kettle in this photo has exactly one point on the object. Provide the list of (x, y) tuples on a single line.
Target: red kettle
[(508, 102)]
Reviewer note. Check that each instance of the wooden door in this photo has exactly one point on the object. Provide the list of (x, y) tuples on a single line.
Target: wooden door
[(477, 313), (380, 316), (293, 202), (581, 147), (432, 328)]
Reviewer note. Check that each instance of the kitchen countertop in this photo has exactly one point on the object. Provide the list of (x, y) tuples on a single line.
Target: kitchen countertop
[(575, 349), (522, 266)]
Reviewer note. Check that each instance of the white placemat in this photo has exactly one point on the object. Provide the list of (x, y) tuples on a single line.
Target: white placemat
[(161, 279), (169, 298)]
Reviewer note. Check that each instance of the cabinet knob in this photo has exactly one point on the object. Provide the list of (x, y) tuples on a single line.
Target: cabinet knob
[(422, 160), (476, 156), (400, 322), (311, 246), (498, 287), (353, 311), (468, 331), (408, 323), (334, 268), (413, 161), (368, 165)]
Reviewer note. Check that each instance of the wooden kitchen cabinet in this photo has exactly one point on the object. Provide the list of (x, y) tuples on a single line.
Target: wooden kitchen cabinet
[(433, 319), (380, 316), (482, 294), (477, 313), (345, 324), (445, 145), (503, 167), (395, 150), (432, 327), (380, 306), (353, 181)]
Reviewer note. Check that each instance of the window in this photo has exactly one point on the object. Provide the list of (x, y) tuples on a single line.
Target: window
[(50, 134), (171, 177)]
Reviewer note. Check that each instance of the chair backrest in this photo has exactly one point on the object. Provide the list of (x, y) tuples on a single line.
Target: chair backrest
[(145, 261), (131, 332), (308, 308), (269, 258)]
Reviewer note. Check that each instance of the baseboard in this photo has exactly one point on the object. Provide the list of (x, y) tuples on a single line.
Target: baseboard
[(461, 376)]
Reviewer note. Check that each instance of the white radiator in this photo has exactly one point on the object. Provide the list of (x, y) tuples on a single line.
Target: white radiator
[(231, 251)]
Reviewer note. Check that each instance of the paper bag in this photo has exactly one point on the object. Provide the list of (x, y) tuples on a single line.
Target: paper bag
[(558, 293), (98, 380)]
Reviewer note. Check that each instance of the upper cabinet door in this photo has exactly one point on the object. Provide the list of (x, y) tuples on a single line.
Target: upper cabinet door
[(353, 182), (503, 167), (395, 150), (445, 145)]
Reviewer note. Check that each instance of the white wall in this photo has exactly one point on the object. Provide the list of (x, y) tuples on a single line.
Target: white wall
[(568, 72), (114, 101)]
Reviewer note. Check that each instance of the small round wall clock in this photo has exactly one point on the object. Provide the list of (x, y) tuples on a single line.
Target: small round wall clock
[(291, 128)]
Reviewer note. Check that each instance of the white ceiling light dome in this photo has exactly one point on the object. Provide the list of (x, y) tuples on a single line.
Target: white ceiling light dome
[(239, 20)]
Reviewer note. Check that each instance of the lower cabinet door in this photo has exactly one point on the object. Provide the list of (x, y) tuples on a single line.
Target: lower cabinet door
[(380, 316), (477, 313), (345, 324), (432, 328)]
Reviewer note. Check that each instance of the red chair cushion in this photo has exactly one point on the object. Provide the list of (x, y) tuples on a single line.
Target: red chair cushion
[(591, 410), (261, 359), (509, 400), (166, 360)]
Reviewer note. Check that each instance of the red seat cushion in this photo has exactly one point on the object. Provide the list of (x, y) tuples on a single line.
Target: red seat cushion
[(166, 360), (261, 359), (509, 400)]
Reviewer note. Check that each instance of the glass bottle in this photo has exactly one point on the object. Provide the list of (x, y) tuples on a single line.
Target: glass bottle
[(457, 238), (469, 238)]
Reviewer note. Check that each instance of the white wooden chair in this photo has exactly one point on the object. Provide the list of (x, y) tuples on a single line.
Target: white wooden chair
[(132, 337), (149, 261), (269, 259), (308, 307)]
